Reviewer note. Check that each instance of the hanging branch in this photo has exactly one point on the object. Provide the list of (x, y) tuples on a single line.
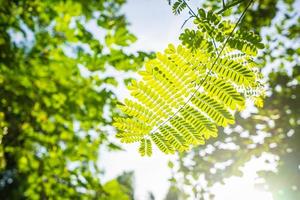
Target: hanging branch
[(167, 107), (215, 61)]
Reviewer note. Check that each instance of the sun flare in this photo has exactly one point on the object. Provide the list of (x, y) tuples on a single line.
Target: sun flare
[(239, 188)]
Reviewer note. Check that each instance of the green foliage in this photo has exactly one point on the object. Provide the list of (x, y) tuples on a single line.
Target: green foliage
[(126, 179), (187, 91), (51, 101), (277, 124), (243, 40), (178, 6), (145, 147), (3, 132), (115, 191)]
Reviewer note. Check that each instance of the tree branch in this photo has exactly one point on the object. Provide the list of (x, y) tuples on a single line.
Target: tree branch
[(206, 76), (226, 7)]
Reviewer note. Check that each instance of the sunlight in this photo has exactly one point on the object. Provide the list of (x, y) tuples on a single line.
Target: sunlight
[(239, 188)]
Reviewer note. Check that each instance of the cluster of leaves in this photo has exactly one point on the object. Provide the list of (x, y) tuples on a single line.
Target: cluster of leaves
[(3, 132), (120, 188), (277, 124), (178, 6), (189, 90), (51, 102)]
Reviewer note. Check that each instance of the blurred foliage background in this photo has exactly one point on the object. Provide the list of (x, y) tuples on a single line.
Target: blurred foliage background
[(53, 99), (274, 129)]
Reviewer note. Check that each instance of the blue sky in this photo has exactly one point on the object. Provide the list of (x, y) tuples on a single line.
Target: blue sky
[(153, 22)]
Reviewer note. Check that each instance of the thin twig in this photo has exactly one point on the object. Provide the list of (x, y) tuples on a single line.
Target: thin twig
[(214, 43), (200, 84), (193, 13), (186, 21), (226, 7)]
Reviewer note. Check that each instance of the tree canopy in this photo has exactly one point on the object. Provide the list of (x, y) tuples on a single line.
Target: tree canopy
[(53, 101)]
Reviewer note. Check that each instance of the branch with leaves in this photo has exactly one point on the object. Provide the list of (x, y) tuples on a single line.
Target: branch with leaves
[(189, 90)]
